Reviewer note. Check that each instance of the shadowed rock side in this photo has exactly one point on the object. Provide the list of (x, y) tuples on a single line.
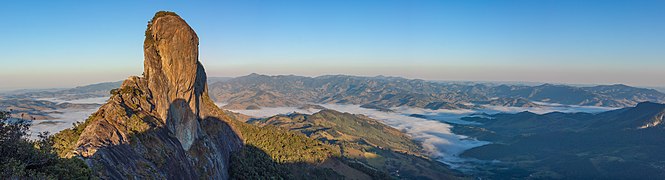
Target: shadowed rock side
[(162, 125), (165, 126)]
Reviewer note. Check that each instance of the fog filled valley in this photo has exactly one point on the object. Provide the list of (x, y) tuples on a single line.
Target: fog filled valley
[(384, 90), (454, 136)]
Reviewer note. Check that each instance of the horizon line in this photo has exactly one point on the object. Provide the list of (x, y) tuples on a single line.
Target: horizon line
[(498, 82)]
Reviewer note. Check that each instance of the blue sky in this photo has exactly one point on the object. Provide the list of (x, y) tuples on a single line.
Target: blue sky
[(64, 44)]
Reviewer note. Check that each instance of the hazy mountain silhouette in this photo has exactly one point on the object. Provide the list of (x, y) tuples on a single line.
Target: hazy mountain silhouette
[(381, 92), (165, 126)]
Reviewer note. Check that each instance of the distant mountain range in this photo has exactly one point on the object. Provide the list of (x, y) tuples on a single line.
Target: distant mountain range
[(621, 144), (164, 125), (81, 92), (661, 89), (381, 92), (255, 91), (87, 91)]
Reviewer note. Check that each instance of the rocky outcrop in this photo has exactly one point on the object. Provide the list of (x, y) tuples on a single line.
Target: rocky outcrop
[(162, 125), (172, 72)]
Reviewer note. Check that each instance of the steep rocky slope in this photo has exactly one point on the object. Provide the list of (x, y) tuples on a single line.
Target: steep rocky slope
[(162, 125), (165, 126)]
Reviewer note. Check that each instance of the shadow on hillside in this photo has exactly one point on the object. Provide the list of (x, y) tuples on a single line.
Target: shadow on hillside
[(253, 163), (154, 150)]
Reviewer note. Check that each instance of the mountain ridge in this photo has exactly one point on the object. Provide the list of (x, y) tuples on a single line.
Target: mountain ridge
[(622, 143), (389, 92), (162, 125), (365, 141)]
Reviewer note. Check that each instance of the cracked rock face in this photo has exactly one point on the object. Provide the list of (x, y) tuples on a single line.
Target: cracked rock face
[(173, 73), (162, 125)]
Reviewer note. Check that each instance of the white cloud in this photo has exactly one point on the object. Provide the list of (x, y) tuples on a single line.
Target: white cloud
[(435, 131), (271, 111), (435, 135), (63, 121), (546, 108), (94, 100)]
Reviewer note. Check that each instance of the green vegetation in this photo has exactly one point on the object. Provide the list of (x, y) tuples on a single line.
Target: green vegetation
[(285, 146), (135, 123), (64, 141), (253, 163), (336, 127), (608, 145), (21, 158), (127, 90), (148, 34), (370, 130), (361, 147), (162, 14), (365, 144), (274, 153)]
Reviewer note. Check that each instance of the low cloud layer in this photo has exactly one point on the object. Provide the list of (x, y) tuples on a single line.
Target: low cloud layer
[(546, 108), (65, 117), (94, 100), (267, 112), (435, 131), (435, 135), (63, 121)]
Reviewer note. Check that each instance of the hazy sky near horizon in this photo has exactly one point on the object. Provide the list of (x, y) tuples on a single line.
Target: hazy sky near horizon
[(63, 44)]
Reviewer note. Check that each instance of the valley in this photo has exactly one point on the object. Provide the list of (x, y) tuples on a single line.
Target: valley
[(623, 143), (174, 122), (448, 137), (445, 134)]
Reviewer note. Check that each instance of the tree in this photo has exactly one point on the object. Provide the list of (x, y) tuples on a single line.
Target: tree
[(21, 158)]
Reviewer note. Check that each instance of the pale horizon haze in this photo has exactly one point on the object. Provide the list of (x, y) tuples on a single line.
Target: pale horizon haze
[(48, 44)]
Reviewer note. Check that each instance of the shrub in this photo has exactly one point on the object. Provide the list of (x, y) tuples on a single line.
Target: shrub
[(21, 158)]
